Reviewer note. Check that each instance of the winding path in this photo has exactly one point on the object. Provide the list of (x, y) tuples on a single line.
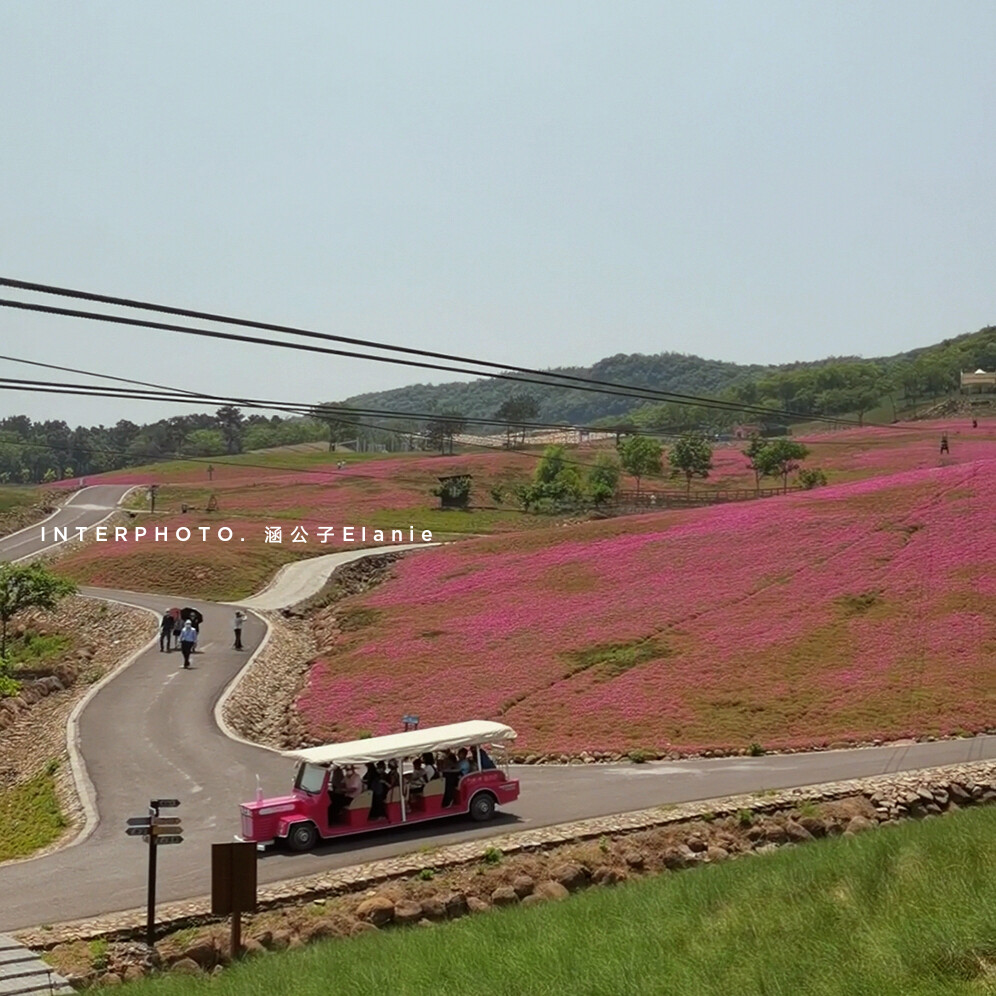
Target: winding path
[(150, 731)]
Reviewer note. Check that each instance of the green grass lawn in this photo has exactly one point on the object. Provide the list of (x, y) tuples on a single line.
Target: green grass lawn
[(15, 496), (33, 649), (29, 815), (899, 911)]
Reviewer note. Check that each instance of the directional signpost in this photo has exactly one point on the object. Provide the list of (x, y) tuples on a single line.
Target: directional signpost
[(155, 830)]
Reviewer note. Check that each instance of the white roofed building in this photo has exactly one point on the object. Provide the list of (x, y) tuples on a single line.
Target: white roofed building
[(978, 382)]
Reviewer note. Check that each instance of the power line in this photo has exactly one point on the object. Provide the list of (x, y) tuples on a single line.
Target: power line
[(636, 394), (320, 412), (545, 378), (94, 391)]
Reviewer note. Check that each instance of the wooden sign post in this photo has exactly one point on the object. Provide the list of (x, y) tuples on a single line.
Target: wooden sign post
[(233, 885), (155, 830)]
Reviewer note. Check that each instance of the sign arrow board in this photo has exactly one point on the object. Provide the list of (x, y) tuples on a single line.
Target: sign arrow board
[(165, 803), (169, 840), (138, 821), (136, 831), (165, 821), (164, 831)]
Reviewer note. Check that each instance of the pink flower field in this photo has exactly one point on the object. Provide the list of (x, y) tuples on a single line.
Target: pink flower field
[(386, 494), (852, 612)]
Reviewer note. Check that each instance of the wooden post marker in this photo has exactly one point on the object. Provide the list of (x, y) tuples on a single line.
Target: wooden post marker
[(233, 885)]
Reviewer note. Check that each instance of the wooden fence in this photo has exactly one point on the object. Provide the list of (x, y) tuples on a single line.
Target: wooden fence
[(681, 499)]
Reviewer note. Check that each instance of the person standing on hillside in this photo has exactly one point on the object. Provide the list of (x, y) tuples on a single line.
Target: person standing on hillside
[(165, 633), (188, 640), (239, 620), (944, 444)]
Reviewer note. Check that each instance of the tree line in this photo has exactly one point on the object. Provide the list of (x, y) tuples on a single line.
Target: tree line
[(559, 484), (38, 452)]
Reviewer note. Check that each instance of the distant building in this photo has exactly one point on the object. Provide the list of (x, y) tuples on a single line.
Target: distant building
[(979, 382)]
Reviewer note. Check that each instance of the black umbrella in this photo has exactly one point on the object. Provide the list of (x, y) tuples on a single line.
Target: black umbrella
[(193, 615)]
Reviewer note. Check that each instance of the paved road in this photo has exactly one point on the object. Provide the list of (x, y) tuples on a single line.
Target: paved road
[(86, 507), (300, 579), (150, 732)]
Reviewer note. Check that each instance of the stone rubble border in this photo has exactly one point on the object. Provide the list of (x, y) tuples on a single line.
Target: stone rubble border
[(893, 795)]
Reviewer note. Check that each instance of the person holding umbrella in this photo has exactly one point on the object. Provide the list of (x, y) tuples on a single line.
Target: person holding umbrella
[(177, 626)]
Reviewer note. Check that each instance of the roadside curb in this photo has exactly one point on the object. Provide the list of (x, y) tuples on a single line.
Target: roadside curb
[(357, 878), (84, 787), (229, 689), (260, 614), (85, 792)]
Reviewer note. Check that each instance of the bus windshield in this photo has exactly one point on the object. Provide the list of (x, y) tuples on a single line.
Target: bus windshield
[(310, 778)]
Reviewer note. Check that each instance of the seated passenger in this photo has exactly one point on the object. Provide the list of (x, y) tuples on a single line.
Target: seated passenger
[(429, 766), (486, 763), (393, 777), (354, 782), (415, 783), (463, 761)]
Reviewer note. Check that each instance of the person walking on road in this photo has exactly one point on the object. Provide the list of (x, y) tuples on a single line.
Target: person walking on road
[(177, 629), (239, 620), (188, 640), (165, 633)]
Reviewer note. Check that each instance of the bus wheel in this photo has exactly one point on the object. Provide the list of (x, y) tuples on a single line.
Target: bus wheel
[(482, 807), (302, 837)]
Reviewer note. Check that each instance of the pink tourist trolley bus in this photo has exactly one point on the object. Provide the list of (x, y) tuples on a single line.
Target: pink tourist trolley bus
[(327, 801)]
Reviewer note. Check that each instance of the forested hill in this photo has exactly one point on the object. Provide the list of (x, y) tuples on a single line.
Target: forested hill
[(482, 398), (835, 385)]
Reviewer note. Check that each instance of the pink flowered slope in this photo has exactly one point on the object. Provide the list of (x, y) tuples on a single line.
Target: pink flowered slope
[(856, 611)]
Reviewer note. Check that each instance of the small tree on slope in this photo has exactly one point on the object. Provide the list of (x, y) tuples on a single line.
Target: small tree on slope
[(640, 456), (691, 456), (25, 586)]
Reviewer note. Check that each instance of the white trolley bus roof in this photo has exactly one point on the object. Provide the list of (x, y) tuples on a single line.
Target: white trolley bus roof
[(407, 744)]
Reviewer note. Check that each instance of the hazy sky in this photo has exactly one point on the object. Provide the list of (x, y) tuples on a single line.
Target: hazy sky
[(533, 183)]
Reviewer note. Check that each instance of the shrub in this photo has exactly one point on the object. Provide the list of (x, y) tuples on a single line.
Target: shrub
[(427, 874), (98, 953), (638, 756), (812, 477), (602, 479), (493, 855), (855, 604), (745, 818), (9, 685), (755, 749)]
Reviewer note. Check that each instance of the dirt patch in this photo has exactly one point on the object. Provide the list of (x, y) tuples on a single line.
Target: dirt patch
[(23, 516)]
